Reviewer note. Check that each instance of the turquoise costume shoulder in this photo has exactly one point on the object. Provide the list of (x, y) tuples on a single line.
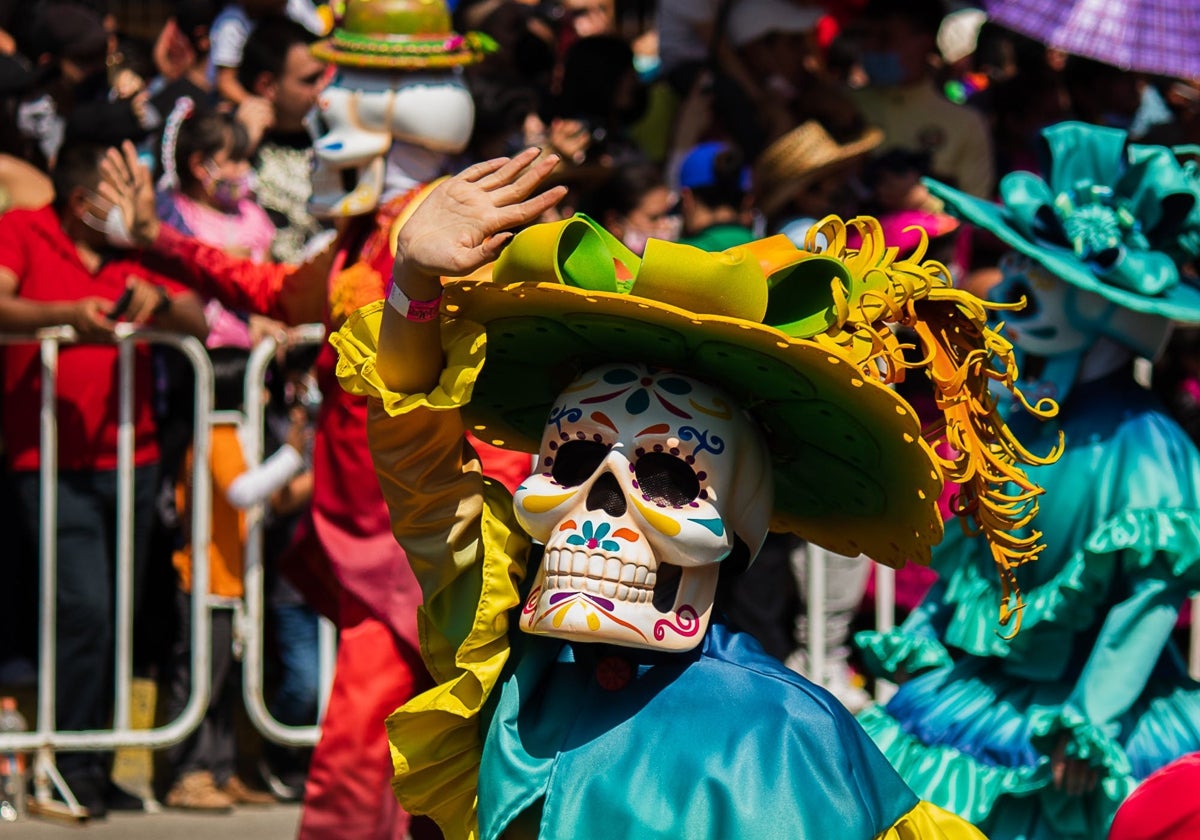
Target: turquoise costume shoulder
[(568, 709)]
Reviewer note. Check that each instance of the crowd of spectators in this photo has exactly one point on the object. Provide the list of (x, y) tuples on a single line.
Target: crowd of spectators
[(707, 121)]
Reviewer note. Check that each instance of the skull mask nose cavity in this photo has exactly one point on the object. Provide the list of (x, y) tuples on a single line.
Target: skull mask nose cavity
[(605, 494)]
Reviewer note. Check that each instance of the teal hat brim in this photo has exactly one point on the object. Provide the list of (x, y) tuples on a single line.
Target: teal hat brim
[(1180, 302)]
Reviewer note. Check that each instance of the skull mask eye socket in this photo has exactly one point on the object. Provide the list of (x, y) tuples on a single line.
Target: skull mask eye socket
[(1013, 291), (577, 461), (666, 479)]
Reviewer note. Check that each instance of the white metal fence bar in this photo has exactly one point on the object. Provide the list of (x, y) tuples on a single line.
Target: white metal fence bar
[(252, 665), (123, 661), (1194, 640), (45, 738), (815, 569), (885, 619)]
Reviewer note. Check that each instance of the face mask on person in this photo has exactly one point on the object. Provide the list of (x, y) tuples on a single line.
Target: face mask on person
[(883, 68), (227, 192), (114, 226), (668, 228)]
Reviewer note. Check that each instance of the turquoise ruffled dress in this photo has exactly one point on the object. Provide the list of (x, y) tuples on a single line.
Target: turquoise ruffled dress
[(1093, 663)]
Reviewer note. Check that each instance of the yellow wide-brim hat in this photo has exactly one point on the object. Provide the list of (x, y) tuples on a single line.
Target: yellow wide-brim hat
[(851, 469)]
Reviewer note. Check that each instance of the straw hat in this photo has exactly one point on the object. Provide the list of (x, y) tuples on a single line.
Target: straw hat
[(400, 35), (804, 154)]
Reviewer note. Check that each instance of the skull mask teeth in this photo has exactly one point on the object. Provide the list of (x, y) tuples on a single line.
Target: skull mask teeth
[(645, 479)]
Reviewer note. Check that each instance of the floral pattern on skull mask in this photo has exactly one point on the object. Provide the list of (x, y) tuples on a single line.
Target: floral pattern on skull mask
[(646, 481)]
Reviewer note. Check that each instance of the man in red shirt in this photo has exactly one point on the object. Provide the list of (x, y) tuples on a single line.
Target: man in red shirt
[(56, 268)]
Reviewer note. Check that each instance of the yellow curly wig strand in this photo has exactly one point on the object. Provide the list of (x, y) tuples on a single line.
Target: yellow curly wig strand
[(963, 357)]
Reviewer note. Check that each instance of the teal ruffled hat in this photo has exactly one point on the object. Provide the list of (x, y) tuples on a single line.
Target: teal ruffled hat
[(1115, 218)]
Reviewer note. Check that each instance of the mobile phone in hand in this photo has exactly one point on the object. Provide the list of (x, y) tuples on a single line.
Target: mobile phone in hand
[(121, 304)]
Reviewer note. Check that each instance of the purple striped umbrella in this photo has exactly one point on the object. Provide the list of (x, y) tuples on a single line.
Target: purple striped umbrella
[(1151, 36)]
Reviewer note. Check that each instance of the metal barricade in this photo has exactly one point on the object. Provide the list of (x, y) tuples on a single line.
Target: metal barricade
[(252, 664), (45, 738)]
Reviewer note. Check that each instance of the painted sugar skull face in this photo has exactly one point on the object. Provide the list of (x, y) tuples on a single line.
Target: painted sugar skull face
[(646, 481), (366, 112), (1056, 318), (1060, 318)]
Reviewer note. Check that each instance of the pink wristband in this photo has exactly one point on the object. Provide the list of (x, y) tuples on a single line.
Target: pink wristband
[(418, 311)]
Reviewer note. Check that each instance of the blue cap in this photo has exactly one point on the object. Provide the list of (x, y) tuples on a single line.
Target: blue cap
[(698, 168)]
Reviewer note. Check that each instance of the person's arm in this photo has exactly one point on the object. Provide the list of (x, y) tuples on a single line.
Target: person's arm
[(462, 225), (86, 315), (275, 474), (292, 294), (182, 312), (228, 87), (1081, 738), (294, 496), (163, 307), (260, 483), (227, 42), (27, 185)]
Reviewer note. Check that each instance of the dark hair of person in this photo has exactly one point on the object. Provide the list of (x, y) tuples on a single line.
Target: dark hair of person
[(267, 48), (924, 16), (624, 189), (727, 189), (77, 165), (206, 134), (229, 377), (191, 15), (594, 70)]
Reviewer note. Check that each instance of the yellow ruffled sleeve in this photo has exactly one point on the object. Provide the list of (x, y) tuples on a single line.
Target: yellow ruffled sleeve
[(929, 822), (467, 553)]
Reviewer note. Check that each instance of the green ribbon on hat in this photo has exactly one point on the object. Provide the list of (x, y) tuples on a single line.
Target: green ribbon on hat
[(1129, 212), (765, 282)]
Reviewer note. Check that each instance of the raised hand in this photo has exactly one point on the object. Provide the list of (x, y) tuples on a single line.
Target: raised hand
[(126, 182), (462, 225), (465, 222)]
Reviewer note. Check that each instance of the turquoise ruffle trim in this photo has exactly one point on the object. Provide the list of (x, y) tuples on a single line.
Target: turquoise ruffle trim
[(947, 777), (1002, 801), (1159, 543), (1087, 742), (886, 653)]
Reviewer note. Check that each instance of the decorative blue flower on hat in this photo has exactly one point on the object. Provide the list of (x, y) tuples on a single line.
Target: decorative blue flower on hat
[(1128, 212)]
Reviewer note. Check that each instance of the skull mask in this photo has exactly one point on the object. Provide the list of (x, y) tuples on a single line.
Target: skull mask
[(646, 481), (1060, 318), (366, 112)]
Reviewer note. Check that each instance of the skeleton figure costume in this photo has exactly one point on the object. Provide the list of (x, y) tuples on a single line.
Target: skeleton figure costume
[(680, 404), (1100, 249)]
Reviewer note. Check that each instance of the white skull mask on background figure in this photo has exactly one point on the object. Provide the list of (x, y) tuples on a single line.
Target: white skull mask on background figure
[(645, 481), (365, 113)]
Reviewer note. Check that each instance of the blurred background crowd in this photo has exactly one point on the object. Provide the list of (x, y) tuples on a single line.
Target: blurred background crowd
[(710, 122)]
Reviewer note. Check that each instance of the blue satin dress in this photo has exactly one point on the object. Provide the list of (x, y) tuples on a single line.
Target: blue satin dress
[(722, 741), (1093, 666)]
